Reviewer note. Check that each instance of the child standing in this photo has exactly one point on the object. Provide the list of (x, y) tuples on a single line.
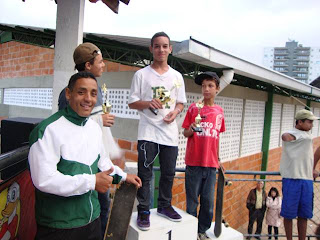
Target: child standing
[(273, 213), (158, 131), (202, 153)]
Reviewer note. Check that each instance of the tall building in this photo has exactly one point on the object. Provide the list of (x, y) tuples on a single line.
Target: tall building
[(294, 60)]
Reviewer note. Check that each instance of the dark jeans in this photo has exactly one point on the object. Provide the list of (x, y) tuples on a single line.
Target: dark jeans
[(91, 231), (200, 181), (276, 232), (104, 201), (256, 215), (147, 152)]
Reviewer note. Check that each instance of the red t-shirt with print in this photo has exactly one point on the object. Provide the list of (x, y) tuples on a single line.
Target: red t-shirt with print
[(202, 147)]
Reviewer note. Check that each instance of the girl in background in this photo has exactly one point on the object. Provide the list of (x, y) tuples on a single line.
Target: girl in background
[(273, 212)]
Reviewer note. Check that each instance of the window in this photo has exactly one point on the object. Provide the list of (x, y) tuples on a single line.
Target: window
[(303, 57), (280, 52), (302, 75)]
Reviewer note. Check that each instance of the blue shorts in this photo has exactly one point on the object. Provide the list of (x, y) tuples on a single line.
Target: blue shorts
[(297, 198)]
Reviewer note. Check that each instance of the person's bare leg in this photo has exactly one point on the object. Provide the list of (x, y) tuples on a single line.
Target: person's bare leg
[(302, 228), (288, 227)]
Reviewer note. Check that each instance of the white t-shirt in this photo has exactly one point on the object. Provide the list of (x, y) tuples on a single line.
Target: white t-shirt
[(145, 86), (297, 156)]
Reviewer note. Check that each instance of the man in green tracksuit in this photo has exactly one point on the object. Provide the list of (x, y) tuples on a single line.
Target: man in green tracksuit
[(66, 151)]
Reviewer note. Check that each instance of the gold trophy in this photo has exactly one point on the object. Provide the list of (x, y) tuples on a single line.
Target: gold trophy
[(198, 119), (106, 106), (164, 95)]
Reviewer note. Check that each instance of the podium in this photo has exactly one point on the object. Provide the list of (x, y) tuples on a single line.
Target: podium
[(227, 233), (164, 229)]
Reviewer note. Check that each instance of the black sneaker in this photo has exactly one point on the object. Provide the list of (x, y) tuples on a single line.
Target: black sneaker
[(143, 220), (169, 213)]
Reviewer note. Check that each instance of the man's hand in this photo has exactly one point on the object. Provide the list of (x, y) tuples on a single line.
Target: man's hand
[(107, 119), (155, 103), (171, 116), (189, 132), (134, 179), (103, 181)]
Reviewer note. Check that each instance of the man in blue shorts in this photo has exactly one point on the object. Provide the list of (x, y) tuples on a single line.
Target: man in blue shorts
[(296, 168)]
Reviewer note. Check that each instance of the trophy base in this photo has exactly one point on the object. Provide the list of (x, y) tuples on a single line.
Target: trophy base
[(196, 129), (154, 111)]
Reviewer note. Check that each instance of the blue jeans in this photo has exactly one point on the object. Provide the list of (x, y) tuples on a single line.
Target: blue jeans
[(147, 153), (200, 181)]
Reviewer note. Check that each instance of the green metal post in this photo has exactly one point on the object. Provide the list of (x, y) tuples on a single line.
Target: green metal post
[(267, 131)]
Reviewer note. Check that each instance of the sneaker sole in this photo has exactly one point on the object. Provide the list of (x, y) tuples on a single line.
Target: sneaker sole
[(143, 228), (171, 219)]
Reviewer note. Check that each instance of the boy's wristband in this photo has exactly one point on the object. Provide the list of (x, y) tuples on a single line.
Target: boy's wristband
[(179, 111)]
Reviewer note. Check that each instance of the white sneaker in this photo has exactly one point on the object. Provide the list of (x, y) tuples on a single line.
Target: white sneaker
[(203, 236)]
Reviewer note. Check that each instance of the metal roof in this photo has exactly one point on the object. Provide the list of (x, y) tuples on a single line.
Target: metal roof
[(195, 51), (137, 41), (189, 57)]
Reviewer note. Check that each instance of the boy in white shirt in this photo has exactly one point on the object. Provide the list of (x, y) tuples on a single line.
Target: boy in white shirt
[(158, 93)]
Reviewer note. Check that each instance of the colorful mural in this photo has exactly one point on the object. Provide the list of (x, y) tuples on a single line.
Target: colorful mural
[(17, 220)]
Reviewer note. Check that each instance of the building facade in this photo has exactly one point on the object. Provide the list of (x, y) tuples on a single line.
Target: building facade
[(294, 60)]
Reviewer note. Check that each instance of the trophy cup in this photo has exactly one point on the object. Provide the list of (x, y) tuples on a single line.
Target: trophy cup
[(164, 96), (198, 118), (106, 106)]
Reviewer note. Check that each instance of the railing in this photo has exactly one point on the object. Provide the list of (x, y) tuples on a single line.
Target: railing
[(14, 162), (234, 209)]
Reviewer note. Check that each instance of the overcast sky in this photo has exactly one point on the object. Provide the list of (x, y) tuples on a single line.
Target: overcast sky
[(239, 27)]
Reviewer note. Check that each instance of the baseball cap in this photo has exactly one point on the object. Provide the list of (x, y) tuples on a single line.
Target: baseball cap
[(305, 114), (85, 52), (206, 75)]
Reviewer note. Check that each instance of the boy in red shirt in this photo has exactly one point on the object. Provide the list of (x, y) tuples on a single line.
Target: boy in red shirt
[(202, 152)]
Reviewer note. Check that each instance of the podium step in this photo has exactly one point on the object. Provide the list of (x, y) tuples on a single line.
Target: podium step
[(164, 229), (227, 233)]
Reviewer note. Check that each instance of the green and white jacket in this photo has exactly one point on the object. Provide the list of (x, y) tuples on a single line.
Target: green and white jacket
[(66, 151)]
